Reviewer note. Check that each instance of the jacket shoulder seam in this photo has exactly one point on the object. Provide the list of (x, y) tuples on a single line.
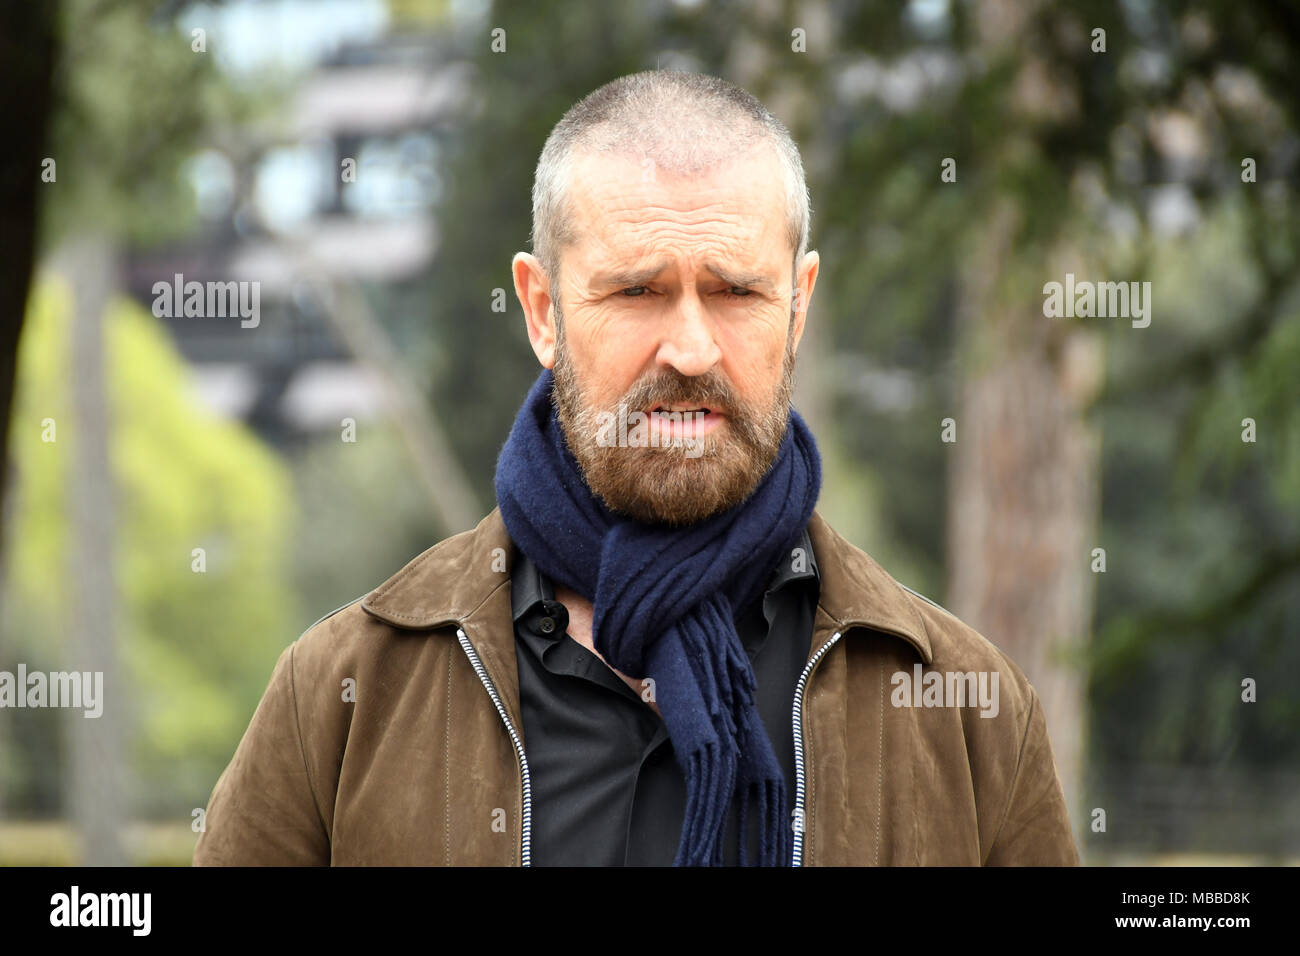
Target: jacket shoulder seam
[(1015, 777), (924, 598), (326, 617)]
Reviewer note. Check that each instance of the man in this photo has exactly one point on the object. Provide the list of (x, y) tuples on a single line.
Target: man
[(653, 651)]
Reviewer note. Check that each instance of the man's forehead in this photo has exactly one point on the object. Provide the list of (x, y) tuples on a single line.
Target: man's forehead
[(731, 212)]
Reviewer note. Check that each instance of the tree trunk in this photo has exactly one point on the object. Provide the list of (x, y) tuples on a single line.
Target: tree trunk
[(27, 54), (1023, 490), (95, 780)]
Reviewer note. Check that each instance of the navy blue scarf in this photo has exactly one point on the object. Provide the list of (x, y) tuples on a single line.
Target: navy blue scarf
[(665, 601)]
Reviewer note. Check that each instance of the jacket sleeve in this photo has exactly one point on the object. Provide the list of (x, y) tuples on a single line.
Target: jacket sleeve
[(263, 810), (1036, 828)]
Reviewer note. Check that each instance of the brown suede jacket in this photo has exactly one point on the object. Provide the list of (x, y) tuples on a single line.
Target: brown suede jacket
[(390, 731)]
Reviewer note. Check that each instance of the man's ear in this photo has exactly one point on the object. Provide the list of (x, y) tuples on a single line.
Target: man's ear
[(533, 289), (805, 280)]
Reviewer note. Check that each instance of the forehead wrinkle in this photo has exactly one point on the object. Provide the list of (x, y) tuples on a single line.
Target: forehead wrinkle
[(653, 239), (635, 234), (703, 192), (656, 240), (631, 212)]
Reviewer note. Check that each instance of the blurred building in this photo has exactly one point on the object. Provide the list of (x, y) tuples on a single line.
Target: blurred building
[(337, 190)]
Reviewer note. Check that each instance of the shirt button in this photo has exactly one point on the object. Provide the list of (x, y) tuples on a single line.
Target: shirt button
[(547, 625)]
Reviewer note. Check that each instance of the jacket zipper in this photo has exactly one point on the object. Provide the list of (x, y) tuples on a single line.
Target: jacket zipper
[(799, 814), (525, 849)]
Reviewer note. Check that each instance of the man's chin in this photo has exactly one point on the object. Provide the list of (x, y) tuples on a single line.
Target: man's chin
[(677, 491), (669, 513)]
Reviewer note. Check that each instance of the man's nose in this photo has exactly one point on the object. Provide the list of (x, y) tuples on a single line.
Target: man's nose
[(688, 343)]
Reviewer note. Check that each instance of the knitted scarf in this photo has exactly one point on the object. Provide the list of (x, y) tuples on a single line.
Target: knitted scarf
[(665, 601)]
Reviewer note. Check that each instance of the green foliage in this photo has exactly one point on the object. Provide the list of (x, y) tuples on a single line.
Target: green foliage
[(196, 647), (135, 100)]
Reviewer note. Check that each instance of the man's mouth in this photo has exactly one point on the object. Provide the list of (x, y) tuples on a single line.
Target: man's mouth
[(682, 407), (685, 421)]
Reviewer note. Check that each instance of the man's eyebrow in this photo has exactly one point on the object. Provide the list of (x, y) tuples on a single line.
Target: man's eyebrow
[(635, 277), (627, 277), (741, 279)]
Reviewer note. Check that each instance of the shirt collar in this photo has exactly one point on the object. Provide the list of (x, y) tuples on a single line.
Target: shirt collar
[(528, 586)]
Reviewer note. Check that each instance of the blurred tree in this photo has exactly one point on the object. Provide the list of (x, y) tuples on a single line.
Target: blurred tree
[(113, 99), (27, 53), (126, 101)]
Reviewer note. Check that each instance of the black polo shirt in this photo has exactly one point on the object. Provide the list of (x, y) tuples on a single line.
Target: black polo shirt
[(606, 790)]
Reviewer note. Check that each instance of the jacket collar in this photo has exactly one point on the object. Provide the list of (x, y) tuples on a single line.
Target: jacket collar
[(451, 581), (858, 592)]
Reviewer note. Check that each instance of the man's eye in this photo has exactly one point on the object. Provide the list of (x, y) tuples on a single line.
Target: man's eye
[(738, 292), (633, 291)]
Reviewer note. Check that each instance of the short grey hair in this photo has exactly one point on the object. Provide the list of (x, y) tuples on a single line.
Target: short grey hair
[(683, 122)]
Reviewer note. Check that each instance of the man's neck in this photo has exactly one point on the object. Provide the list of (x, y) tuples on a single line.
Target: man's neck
[(580, 616)]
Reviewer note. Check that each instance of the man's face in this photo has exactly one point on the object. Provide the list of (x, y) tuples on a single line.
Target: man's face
[(677, 306)]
